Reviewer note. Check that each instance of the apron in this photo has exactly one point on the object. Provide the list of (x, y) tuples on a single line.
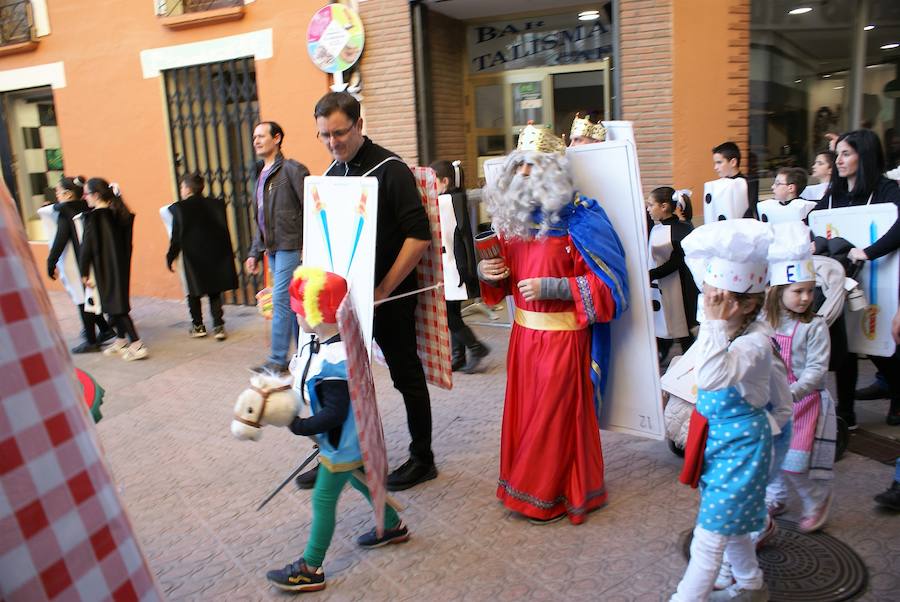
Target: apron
[(735, 464), (806, 413), (668, 317)]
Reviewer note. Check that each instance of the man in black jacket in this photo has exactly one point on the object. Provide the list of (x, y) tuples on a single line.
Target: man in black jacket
[(279, 220), (200, 235), (402, 237)]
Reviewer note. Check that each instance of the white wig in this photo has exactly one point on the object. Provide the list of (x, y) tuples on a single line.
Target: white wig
[(512, 199)]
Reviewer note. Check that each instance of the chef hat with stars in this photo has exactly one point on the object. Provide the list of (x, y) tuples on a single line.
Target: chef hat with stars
[(730, 254), (790, 258)]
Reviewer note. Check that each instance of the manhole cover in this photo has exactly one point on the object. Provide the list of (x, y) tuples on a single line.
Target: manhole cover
[(800, 567)]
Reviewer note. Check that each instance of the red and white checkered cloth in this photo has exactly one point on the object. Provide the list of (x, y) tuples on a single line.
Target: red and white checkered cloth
[(432, 333), (64, 533), (365, 408)]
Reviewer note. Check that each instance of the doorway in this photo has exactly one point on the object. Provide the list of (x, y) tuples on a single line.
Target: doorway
[(501, 105)]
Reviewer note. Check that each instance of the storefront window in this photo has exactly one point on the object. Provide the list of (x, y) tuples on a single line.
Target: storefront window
[(801, 88)]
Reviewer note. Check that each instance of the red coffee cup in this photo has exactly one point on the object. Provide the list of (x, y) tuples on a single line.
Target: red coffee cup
[(487, 244)]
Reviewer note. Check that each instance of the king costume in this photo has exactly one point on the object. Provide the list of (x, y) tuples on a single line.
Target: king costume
[(551, 464)]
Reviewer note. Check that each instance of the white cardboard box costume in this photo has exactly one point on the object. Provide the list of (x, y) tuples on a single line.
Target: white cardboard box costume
[(773, 212), (869, 330), (167, 218), (68, 261), (725, 198), (608, 171), (340, 217), (454, 291)]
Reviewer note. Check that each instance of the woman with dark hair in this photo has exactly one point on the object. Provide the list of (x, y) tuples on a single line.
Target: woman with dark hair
[(62, 260), (458, 244), (106, 250), (822, 169), (858, 180)]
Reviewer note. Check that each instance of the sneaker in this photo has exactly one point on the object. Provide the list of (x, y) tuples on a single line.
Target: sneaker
[(410, 474), (118, 346), (106, 335), (307, 480), (890, 498), (399, 534), (86, 347), (458, 359), (735, 593), (546, 521), (220, 333), (197, 331), (874, 391), (725, 578), (135, 351), (776, 507), (273, 368), (817, 519), (297, 577), (760, 538)]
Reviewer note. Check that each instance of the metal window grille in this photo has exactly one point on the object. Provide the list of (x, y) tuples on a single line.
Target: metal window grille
[(169, 8), (212, 111), (16, 22)]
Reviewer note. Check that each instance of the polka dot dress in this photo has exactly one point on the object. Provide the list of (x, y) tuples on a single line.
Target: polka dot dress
[(735, 464)]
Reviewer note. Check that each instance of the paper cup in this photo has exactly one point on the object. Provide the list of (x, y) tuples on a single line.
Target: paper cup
[(487, 244)]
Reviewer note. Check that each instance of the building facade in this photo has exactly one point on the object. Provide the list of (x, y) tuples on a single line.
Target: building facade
[(139, 92)]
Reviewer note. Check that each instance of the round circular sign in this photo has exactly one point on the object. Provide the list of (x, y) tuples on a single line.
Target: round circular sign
[(335, 38)]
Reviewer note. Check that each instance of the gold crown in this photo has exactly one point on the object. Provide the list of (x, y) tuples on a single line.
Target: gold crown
[(541, 140), (583, 127)]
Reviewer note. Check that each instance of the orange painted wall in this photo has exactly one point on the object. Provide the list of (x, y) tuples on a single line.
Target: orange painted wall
[(710, 87), (112, 121)]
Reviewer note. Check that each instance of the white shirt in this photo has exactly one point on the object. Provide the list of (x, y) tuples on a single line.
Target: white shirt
[(748, 364)]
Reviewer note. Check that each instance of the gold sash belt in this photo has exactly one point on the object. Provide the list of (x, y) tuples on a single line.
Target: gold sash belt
[(556, 320)]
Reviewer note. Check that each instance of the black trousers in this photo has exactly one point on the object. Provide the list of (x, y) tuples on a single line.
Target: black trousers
[(92, 323), (460, 334), (394, 329), (846, 374), (124, 326), (664, 345), (215, 309)]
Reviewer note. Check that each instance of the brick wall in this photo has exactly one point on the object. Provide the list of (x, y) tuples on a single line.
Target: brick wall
[(446, 40), (646, 77), (386, 66)]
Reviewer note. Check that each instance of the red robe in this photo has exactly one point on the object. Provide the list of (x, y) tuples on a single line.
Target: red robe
[(550, 457)]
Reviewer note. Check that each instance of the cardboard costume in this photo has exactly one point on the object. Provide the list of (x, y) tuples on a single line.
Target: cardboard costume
[(668, 271), (725, 198), (774, 211), (550, 458)]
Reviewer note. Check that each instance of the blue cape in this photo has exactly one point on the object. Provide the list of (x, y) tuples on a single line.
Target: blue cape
[(587, 224)]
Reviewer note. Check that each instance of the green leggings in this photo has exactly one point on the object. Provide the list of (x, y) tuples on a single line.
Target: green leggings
[(324, 502)]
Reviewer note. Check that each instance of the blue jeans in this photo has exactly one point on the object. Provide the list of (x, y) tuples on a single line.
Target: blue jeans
[(284, 321)]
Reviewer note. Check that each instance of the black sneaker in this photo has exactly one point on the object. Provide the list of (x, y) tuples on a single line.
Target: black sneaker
[(106, 335), (873, 391), (850, 419), (546, 521), (410, 474), (477, 352), (307, 480), (198, 330), (220, 333), (399, 534), (86, 347), (890, 498), (297, 577), (273, 368)]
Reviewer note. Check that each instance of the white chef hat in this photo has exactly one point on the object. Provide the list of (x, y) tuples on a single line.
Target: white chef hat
[(730, 254), (790, 259)]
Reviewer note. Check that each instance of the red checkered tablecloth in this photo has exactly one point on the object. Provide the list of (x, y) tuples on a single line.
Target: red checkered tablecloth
[(64, 533), (432, 333), (365, 408)]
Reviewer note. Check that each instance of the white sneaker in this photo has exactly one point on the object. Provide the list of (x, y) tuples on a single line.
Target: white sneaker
[(118, 346), (735, 593), (725, 578), (135, 351)]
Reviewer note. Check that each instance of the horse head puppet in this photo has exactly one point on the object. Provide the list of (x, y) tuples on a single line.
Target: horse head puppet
[(268, 400)]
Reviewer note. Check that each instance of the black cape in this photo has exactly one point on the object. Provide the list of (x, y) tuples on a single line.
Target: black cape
[(200, 234), (106, 248)]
